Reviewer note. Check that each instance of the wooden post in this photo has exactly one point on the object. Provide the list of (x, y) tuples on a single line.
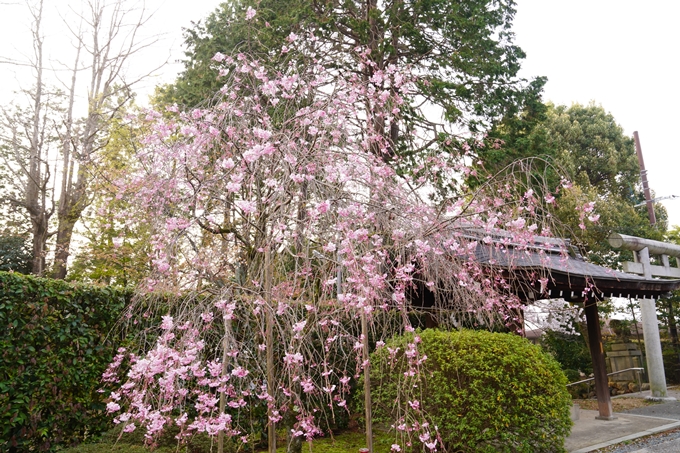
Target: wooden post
[(269, 332), (604, 402)]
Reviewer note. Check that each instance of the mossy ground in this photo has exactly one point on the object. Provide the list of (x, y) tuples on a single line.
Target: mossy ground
[(344, 442)]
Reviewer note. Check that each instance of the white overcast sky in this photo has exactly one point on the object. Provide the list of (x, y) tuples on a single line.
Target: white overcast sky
[(622, 54)]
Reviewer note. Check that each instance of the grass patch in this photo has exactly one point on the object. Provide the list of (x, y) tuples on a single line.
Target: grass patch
[(114, 448), (349, 442), (344, 442)]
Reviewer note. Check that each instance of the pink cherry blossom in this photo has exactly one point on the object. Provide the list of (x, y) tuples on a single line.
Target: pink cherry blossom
[(248, 207), (273, 215)]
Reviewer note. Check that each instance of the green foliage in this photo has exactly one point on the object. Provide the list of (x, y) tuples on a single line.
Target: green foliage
[(486, 392), (587, 146), (671, 363), (115, 447), (616, 215), (116, 253), (464, 53), (226, 31), (673, 235), (167, 443), (583, 141), (570, 351), (15, 254), (593, 149), (54, 347)]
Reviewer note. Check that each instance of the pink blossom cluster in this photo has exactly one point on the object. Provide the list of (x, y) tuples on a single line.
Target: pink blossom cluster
[(587, 211), (182, 381)]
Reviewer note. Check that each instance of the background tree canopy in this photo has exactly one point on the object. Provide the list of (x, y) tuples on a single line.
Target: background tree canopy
[(463, 51), (15, 254), (586, 145), (584, 141)]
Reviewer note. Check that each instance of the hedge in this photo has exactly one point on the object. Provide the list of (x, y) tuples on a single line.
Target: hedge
[(485, 392), (54, 347)]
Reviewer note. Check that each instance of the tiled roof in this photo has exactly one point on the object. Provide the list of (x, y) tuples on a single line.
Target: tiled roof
[(568, 273)]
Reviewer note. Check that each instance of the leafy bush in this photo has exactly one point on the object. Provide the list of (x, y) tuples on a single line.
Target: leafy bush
[(15, 255), (54, 347), (486, 392), (570, 351), (671, 362)]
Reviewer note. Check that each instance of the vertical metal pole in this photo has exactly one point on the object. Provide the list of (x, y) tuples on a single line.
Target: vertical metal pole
[(604, 402), (645, 183), (635, 323), (639, 381), (269, 332)]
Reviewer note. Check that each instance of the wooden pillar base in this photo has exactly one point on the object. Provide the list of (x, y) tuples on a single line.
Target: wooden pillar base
[(611, 417)]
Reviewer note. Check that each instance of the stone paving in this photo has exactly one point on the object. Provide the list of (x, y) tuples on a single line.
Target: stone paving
[(590, 434)]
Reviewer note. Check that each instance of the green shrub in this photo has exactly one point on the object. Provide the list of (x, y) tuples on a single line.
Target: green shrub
[(485, 392), (15, 255), (54, 347), (570, 351), (671, 362)]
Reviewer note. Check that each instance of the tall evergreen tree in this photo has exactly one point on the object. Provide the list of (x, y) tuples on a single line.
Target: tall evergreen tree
[(588, 146), (463, 52)]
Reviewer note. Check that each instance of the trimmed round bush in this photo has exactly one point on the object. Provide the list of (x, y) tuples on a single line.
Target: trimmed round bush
[(484, 392)]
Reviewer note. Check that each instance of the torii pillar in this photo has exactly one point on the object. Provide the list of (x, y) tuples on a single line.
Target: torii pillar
[(641, 249), (650, 331)]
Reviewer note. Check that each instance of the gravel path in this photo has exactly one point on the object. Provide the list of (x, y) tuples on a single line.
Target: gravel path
[(667, 442)]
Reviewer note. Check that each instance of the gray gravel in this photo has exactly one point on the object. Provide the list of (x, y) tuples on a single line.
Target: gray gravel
[(668, 442)]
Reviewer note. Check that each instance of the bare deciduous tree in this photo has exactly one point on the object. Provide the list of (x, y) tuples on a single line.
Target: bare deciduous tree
[(26, 142), (50, 148)]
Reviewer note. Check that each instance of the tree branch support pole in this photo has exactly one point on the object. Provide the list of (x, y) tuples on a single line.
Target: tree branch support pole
[(225, 360), (635, 323), (367, 382), (604, 401), (269, 332)]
